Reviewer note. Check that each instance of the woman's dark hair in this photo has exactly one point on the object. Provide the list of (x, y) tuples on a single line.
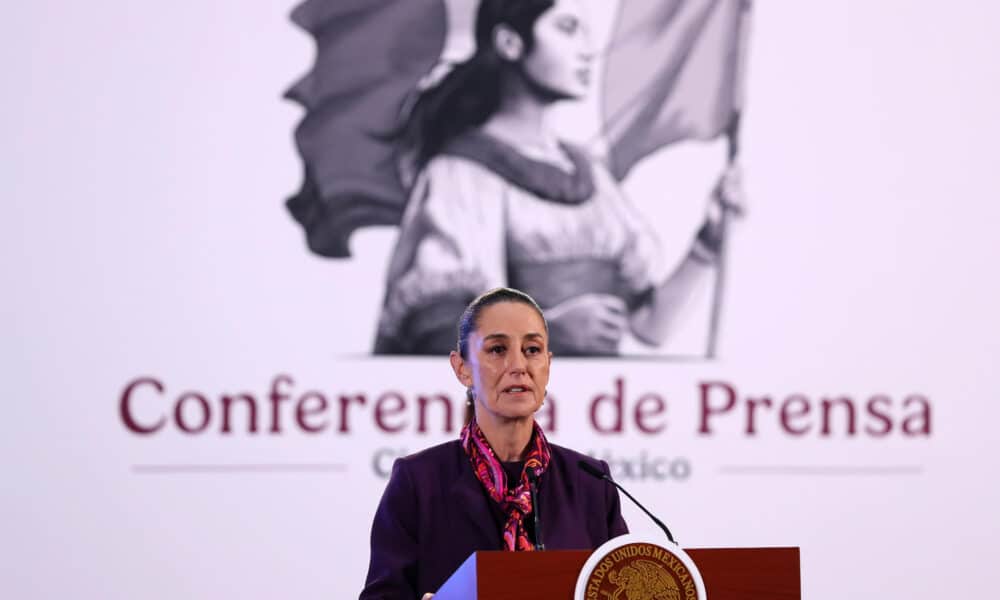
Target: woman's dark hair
[(470, 94), (470, 319)]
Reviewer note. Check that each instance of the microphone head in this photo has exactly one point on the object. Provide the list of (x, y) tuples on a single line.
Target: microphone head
[(532, 476), (591, 469)]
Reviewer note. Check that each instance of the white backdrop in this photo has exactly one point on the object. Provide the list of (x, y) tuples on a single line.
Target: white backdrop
[(146, 156)]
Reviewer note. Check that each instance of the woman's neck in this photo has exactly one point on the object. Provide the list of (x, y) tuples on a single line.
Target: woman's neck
[(520, 119), (509, 438)]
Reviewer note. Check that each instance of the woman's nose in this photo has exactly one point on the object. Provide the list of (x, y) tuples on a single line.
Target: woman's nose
[(517, 363), (587, 51)]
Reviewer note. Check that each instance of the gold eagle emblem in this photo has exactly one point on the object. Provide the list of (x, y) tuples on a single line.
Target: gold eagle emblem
[(644, 580)]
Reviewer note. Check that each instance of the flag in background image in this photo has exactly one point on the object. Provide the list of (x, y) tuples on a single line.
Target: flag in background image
[(671, 74), (370, 54)]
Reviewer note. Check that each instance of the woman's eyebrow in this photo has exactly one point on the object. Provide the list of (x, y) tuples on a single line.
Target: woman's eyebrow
[(493, 336), (504, 336)]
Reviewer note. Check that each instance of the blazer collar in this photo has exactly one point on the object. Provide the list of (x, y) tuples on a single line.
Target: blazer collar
[(469, 494)]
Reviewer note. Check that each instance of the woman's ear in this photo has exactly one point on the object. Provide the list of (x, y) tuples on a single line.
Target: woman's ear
[(508, 43), (461, 369)]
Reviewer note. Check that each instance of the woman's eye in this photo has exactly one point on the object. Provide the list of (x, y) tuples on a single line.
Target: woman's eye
[(533, 350), (496, 350), (568, 24)]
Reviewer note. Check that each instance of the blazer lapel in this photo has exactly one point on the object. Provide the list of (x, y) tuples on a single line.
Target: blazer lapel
[(468, 493)]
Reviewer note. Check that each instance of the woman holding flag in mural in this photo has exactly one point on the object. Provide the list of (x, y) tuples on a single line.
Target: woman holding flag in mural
[(497, 199)]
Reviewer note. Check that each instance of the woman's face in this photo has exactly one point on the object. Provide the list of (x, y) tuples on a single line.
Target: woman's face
[(508, 363), (560, 60)]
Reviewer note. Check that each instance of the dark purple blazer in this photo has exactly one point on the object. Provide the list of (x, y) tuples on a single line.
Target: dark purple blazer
[(435, 513)]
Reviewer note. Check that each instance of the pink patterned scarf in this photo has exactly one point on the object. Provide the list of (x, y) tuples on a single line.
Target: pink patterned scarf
[(517, 503)]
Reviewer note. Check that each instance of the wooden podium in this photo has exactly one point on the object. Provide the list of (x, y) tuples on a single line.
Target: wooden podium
[(729, 574)]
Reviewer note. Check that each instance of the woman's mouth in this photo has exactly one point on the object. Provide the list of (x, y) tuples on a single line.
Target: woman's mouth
[(515, 389)]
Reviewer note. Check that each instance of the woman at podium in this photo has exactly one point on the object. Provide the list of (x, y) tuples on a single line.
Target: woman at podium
[(501, 485)]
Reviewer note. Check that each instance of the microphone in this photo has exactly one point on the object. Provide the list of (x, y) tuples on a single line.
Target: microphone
[(536, 505), (595, 472)]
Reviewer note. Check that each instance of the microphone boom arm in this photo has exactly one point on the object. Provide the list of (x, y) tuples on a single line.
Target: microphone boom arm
[(595, 472)]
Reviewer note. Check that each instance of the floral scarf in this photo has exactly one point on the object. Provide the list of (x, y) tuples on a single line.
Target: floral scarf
[(516, 503)]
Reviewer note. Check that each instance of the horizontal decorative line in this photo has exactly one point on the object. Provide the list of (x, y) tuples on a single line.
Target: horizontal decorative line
[(239, 468), (617, 358), (820, 470)]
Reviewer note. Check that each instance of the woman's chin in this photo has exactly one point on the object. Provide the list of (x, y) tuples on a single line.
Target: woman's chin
[(517, 408), (573, 93)]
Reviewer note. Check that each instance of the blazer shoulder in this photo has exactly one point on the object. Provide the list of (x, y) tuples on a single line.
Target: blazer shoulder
[(434, 457), (571, 457)]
